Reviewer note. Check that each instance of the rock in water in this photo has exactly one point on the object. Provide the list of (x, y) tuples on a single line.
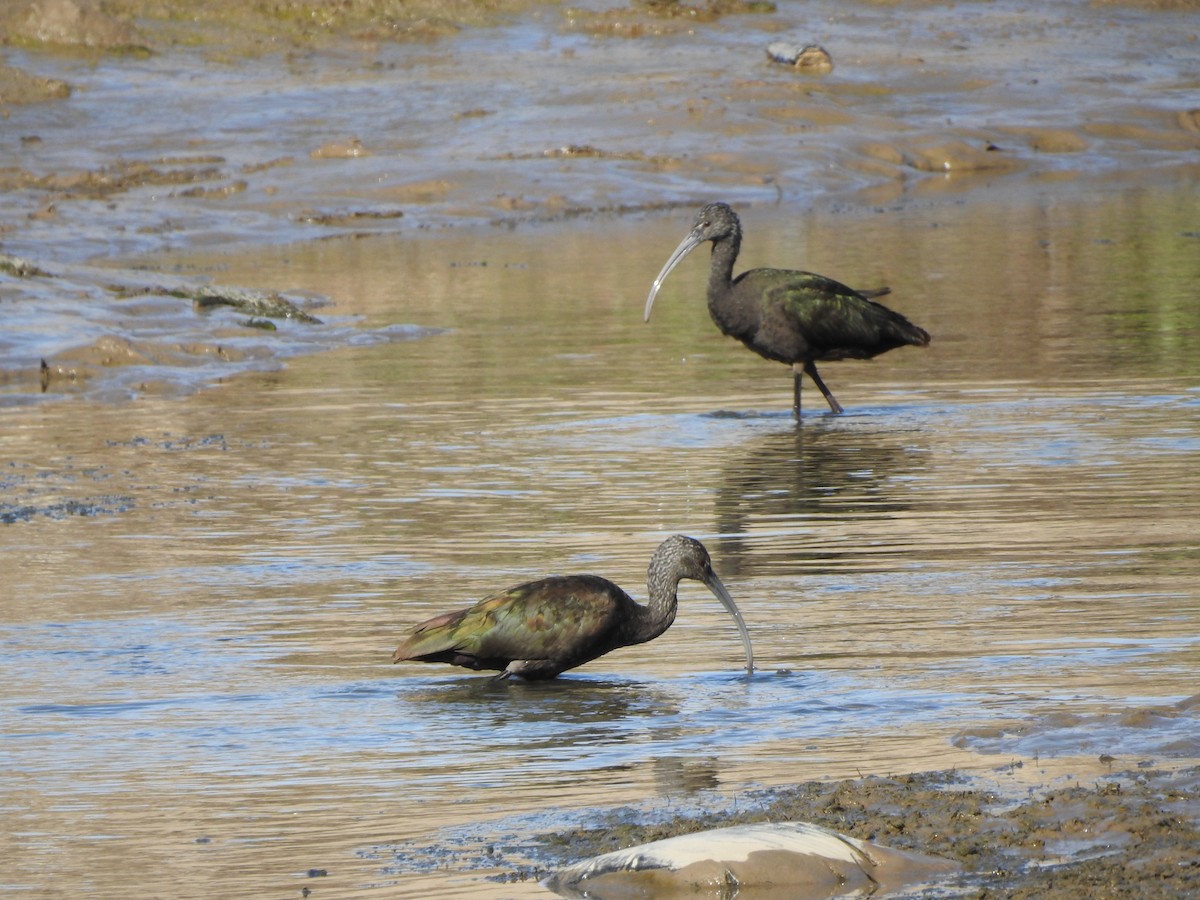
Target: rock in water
[(812, 58), (793, 859)]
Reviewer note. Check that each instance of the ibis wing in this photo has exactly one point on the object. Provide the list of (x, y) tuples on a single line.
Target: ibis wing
[(836, 321), (436, 636), (562, 618)]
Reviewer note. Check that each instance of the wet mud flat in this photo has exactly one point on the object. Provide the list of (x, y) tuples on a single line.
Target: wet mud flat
[(1132, 833)]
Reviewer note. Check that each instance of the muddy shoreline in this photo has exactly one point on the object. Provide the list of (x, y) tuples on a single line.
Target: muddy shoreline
[(1063, 827), (1130, 834), (542, 114)]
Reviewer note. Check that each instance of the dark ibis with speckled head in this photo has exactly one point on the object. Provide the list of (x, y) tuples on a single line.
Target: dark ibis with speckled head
[(541, 628), (793, 317)]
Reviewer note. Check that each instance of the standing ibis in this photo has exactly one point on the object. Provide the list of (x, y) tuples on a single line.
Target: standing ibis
[(792, 317), (541, 628)]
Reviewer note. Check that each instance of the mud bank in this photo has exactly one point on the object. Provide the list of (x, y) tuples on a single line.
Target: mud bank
[(1130, 834), (133, 135), (524, 113)]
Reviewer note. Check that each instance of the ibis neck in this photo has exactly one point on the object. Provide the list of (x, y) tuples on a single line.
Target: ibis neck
[(720, 273), (657, 615), (734, 315)]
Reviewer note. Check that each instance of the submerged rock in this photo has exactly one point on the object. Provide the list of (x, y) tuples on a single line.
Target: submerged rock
[(812, 58), (18, 87), (793, 859)]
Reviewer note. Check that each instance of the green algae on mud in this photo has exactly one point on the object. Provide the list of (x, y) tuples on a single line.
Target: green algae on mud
[(240, 27), (140, 27), (647, 18)]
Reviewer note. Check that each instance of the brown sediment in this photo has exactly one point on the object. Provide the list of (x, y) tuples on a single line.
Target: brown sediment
[(117, 178), (957, 156), (1048, 140), (426, 191), (67, 23), (19, 87), (1131, 835), (658, 17), (348, 149), (238, 28)]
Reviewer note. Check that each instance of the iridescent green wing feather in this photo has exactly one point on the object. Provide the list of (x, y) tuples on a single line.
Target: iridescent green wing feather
[(830, 315), (555, 618), (550, 618)]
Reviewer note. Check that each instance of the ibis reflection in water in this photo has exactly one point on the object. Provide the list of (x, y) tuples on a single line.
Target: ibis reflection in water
[(541, 628), (792, 317)]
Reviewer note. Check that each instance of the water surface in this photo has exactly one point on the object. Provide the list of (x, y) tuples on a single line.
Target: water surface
[(202, 594)]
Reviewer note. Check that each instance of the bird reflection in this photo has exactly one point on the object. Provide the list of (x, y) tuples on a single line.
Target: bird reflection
[(809, 473), (591, 711)]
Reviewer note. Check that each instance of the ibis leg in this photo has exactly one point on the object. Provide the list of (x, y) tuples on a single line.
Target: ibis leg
[(797, 373), (812, 373)]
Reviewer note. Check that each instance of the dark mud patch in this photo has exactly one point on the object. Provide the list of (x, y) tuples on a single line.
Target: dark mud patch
[(92, 506), (1132, 834), (28, 493), (349, 218)]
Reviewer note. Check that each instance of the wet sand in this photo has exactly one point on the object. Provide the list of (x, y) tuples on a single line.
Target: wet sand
[(1043, 169)]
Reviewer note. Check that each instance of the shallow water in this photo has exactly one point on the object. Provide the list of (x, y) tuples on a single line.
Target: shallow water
[(209, 556), (202, 594)]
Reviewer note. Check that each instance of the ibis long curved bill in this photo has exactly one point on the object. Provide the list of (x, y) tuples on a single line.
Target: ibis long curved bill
[(713, 583), (694, 239)]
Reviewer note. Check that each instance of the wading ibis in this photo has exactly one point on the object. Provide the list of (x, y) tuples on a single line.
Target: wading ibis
[(792, 317), (541, 628)]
